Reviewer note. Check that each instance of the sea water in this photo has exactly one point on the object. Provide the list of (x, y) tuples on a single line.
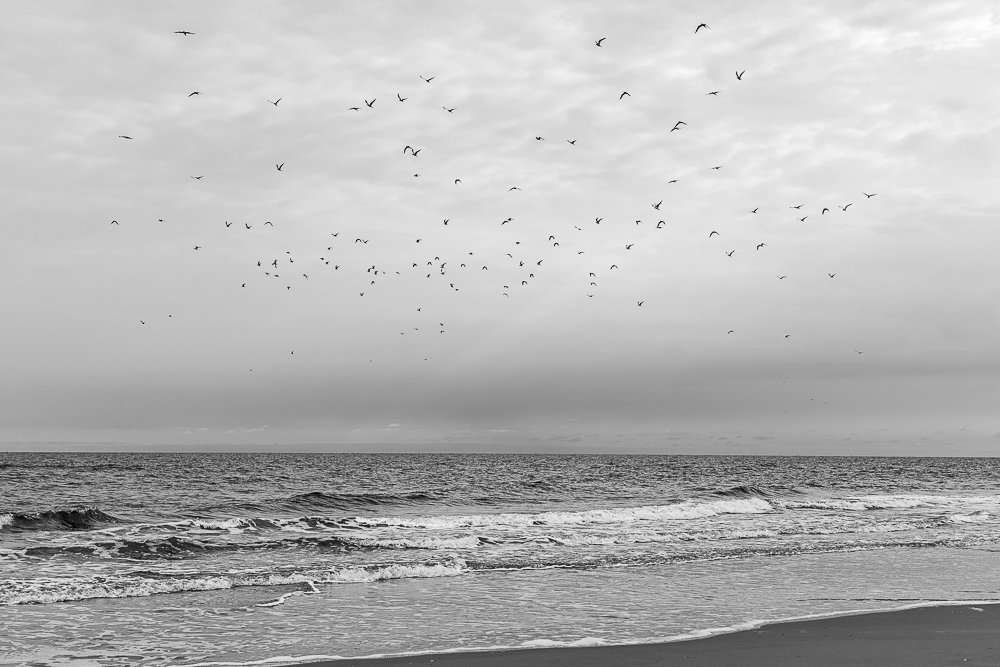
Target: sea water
[(193, 559)]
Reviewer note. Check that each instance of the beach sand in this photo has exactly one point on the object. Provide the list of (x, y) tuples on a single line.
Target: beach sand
[(923, 637)]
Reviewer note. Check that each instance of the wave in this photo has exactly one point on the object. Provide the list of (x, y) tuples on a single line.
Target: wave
[(880, 502), (70, 519)]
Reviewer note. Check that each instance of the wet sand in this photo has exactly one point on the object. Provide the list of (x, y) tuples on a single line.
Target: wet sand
[(924, 637)]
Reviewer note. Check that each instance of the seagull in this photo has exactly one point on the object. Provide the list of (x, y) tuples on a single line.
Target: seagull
[(279, 166), (719, 167), (449, 110), (712, 232), (122, 136), (869, 195), (197, 247), (457, 181), (755, 210), (859, 351), (228, 224), (598, 220), (183, 32), (371, 103), (613, 266), (354, 108), (657, 205), (624, 94), (677, 125), (700, 26), (730, 253), (198, 178), (275, 103), (598, 42), (401, 98), (823, 212), (782, 277), (739, 75), (539, 139), (799, 206), (729, 332), (194, 93), (514, 188), (831, 274), (660, 224), (714, 92), (446, 220), (760, 245), (629, 246), (141, 322), (641, 302), (428, 80), (788, 335), (305, 276), (802, 219), (843, 208), (115, 222), (571, 142)]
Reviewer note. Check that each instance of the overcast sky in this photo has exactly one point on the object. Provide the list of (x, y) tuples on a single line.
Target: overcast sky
[(126, 333)]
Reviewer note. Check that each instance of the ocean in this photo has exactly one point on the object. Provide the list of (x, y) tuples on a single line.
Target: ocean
[(204, 559)]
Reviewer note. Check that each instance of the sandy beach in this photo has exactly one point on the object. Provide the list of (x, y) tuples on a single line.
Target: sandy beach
[(925, 637)]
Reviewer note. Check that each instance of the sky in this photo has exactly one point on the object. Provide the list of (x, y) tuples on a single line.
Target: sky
[(599, 285)]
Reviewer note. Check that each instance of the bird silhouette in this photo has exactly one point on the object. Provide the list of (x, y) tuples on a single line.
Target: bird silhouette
[(573, 142), (831, 274), (755, 210), (449, 110), (401, 98), (730, 253), (354, 108), (122, 136), (275, 103), (598, 42), (613, 266), (782, 277), (183, 32), (428, 80), (514, 188), (279, 166), (446, 220), (729, 332), (843, 208), (198, 178), (370, 103), (539, 139), (624, 94), (641, 302), (760, 245), (713, 232), (457, 181), (799, 206), (115, 222), (823, 212), (803, 218), (719, 167), (660, 224), (677, 125), (700, 26), (739, 75), (714, 92), (869, 195), (228, 224), (197, 247), (598, 220), (628, 246), (194, 93), (657, 205)]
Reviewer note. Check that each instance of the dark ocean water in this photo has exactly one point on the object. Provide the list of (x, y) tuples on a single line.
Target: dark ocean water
[(191, 559)]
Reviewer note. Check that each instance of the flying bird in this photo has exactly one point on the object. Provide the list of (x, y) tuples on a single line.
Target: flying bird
[(677, 125), (739, 75), (228, 224), (869, 195), (714, 92), (246, 225), (624, 94), (613, 266), (700, 26), (782, 277), (115, 222), (457, 181), (843, 208), (539, 138), (729, 332), (755, 210), (279, 166), (660, 224), (823, 212), (354, 108), (628, 246), (449, 110), (446, 220), (197, 247), (275, 103), (657, 205), (598, 220), (730, 253), (598, 42), (194, 93), (428, 80), (719, 167), (514, 188), (760, 245), (831, 274), (799, 206), (198, 178), (122, 136), (712, 232), (371, 103), (183, 32), (571, 142), (641, 302), (401, 98), (803, 218)]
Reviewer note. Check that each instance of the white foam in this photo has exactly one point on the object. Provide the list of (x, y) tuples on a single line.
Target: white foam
[(551, 643), (6, 520), (678, 511), (975, 517)]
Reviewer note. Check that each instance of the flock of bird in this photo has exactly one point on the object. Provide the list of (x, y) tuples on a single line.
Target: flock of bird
[(515, 271)]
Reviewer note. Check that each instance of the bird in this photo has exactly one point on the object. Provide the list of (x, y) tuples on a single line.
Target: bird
[(354, 108), (457, 181), (115, 222), (539, 138), (414, 152), (194, 93), (407, 148), (843, 208), (641, 302), (428, 80), (371, 103), (197, 247), (275, 103), (628, 246), (660, 224), (401, 98), (823, 212), (755, 210), (279, 166), (449, 110), (739, 75), (446, 220), (183, 32), (613, 266), (514, 188), (573, 142), (122, 136), (198, 178), (803, 218), (859, 351), (677, 125), (869, 195), (700, 26), (719, 167), (799, 206), (243, 285), (598, 42), (760, 245), (729, 332), (788, 335), (730, 253), (141, 322), (831, 274), (782, 277), (305, 276), (228, 224), (657, 205), (598, 220), (714, 92), (713, 232), (624, 94)]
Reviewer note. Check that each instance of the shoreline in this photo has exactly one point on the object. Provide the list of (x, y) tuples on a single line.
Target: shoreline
[(926, 635)]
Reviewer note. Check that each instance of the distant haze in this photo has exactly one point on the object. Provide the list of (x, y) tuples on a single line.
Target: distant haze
[(123, 334)]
